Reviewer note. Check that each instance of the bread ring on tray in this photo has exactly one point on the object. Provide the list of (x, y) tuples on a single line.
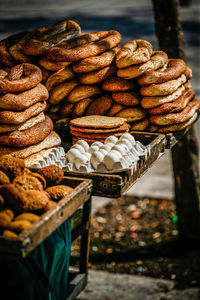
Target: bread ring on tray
[(174, 118), (21, 101), (21, 78), (174, 106), (52, 65), (126, 98), (175, 68), (59, 77), (97, 76), (134, 52), (87, 45), (83, 91), (99, 106), (97, 62), (66, 109), (62, 91), (157, 60), (19, 117), (132, 114), (80, 107), (61, 31), (115, 84), (28, 137), (141, 125), (114, 109)]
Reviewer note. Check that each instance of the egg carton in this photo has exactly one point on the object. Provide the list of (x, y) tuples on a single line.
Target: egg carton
[(55, 157)]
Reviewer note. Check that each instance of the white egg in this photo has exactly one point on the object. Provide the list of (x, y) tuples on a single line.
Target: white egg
[(127, 136), (110, 159), (88, 155), (105, 147), (116, 153), (103, 151), (99, 144), (125, 142), (96, 159), (111, 139), (72, 154), (120, 148), (81, 159), (110, 144), (84, 144), (79, 147)]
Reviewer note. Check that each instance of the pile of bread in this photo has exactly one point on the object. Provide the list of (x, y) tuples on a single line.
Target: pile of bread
[(91, 74), (26, 195)]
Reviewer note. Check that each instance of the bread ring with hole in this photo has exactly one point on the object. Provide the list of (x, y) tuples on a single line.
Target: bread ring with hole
[(175, 68), (83, 91), (114, 109), (174, 118), (99, 106), (23, 100), (174, 106), (134, 52), (61, 91), (141, 125), (132, 114), (157, 60), (21, 78), (61, 31), (80, 107), (59, 77), (87, 45), (97, 76), (116, 84), (97, 62), (126, 98), (52, 65)]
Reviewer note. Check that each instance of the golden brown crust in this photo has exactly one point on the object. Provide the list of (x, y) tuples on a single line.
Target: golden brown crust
[(140, 125), (98, 136), (3, 178), (83, 91), (52, 65), (85, 46), (116, 84), (28, 182), (114, 109), (120, 128), (80, 107), (11, 166), (97, 76), (30, 217), (99, 106), (126, 98), (59, 77), (97, 122), (52, 174), (30, 136), (59, 191), (132, 114), (6, 217), (61, 91), (9, 233), (66, 110)]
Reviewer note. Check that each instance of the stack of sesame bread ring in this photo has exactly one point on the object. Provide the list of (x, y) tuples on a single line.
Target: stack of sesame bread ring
[(24, 128)]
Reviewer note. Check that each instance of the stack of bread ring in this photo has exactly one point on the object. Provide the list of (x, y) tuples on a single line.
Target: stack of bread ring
[(25, 131)]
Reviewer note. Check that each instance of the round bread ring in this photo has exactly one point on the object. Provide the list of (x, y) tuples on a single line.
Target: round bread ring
[(97, 76), (151, 102), (28, 137), (21, 78), (96, 62), (83, 91), (52, 65), (163, 89), (140, 125), (61, 31), (174, 106), (133, 52), (59, 77), (66, 110), (126, 98), (157, 61), (11, 117), (115, 108), (99, 106), (175, 68), (21, 101), (115, 84), (95, 43), (62, 91), (174, 118), (80, 107), (132, 114)]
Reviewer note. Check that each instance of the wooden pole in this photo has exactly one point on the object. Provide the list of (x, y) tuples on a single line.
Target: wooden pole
[(185, 152)]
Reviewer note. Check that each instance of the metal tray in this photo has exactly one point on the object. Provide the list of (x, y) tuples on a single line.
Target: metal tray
[(26, 241)]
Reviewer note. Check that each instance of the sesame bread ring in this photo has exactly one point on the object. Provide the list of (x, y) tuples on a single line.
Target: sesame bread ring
[(13, 117), (59, 77), (126, 98), (150, 102), (61, 31), (134, 52), (132, 114), (66, 110), (83, 91), (174, 106), (99, 106), (174, 118), (165, 88), (62, 91), (80, 107), (85, 46), (28, 137), (140, 125), (115, 84), (21, 78), (97, 76), (157, 60), (21, 101), (114, 109), (52, 65), (96, 62), (175, 68)]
